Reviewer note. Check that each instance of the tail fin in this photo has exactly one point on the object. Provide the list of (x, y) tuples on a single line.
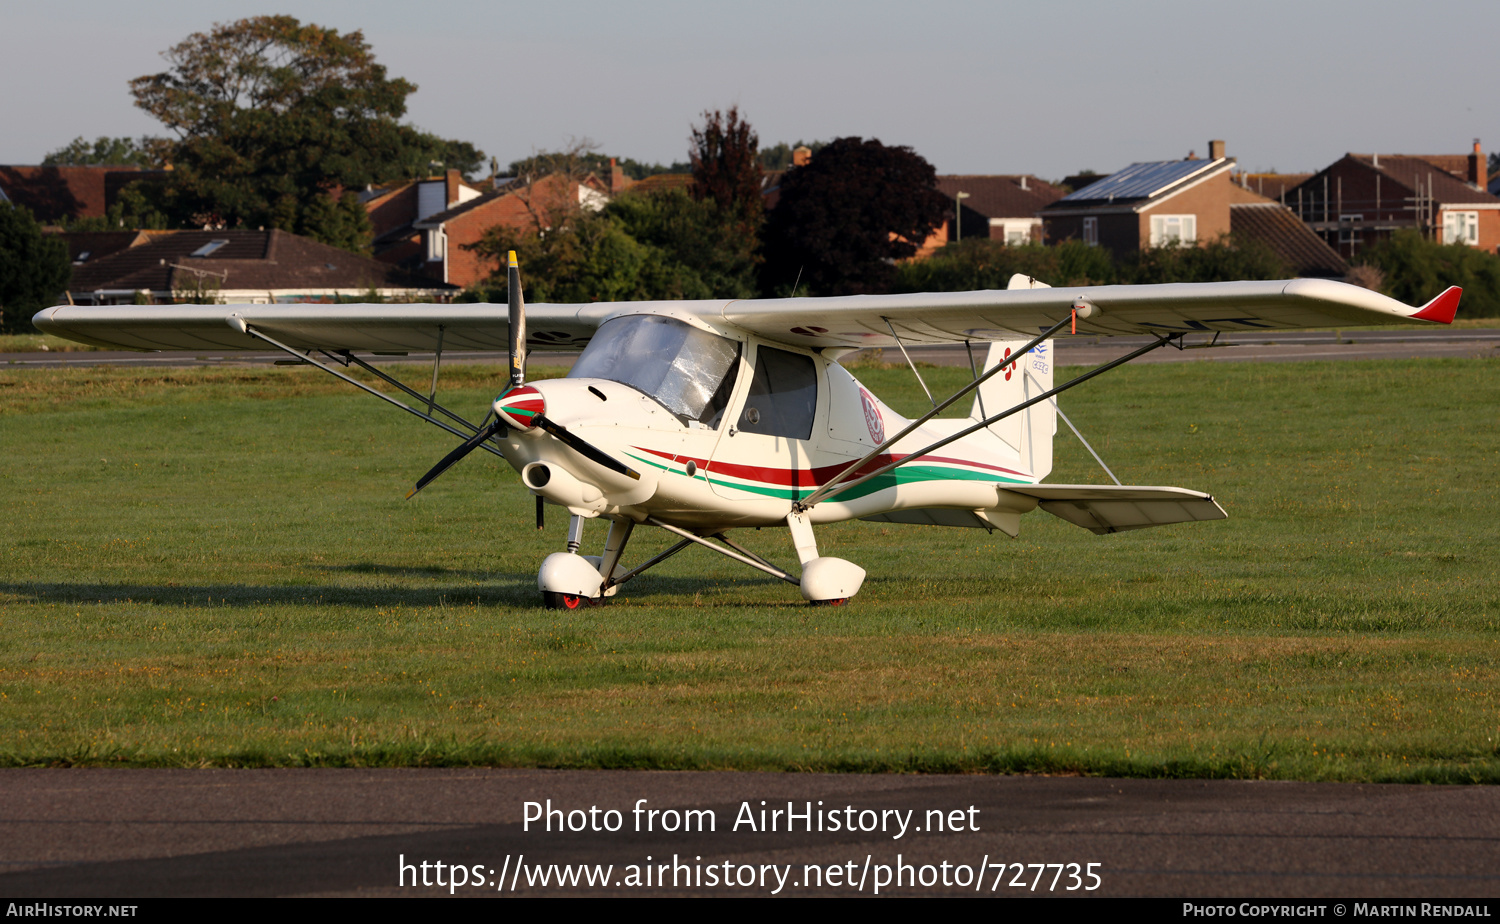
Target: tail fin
[(1030, 432)]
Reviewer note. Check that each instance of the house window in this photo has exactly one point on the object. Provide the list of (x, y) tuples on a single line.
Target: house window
[(1461, 228), (1173, 230), (1348, 224), (1091, 232), (208, 249)]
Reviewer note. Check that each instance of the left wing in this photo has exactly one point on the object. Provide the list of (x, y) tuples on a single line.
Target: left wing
[(948, 317)]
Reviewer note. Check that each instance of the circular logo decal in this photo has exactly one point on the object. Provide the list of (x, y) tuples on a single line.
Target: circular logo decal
[(873, 420)]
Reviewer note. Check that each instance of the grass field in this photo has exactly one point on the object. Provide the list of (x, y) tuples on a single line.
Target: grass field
[(216, 567)]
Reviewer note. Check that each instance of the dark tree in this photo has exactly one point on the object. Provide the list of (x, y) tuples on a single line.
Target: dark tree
[(105, 150), (844, 220), (34, 268), (726, 165), (278, 124)]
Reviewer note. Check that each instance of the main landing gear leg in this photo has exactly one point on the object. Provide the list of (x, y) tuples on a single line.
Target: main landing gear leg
[(825, 581)]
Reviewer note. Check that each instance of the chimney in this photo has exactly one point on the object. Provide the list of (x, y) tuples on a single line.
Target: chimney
[(1478, 174), (801, 155), (452, 181), (616, 177), (1192, 155), (1215, 150)]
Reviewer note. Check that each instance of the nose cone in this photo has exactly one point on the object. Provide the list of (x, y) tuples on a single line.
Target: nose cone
[(519, 407)]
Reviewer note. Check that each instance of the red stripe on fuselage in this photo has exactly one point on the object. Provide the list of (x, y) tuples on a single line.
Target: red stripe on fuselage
[(813, 477)]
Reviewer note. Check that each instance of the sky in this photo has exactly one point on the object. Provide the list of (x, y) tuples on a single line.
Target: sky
[(1048, 88)]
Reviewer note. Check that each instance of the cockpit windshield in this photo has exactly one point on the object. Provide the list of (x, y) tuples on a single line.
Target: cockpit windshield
[(689, 371)]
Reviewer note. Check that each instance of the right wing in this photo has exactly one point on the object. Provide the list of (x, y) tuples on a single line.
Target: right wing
[(377, 328)]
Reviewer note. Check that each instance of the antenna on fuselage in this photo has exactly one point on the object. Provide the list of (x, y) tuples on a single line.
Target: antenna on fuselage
[(517, 322)]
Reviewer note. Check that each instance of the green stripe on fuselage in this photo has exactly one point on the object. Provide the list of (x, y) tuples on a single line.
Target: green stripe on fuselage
[(910, 474)]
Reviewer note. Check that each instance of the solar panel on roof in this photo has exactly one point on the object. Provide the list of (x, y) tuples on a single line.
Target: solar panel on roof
[(1141, 181)]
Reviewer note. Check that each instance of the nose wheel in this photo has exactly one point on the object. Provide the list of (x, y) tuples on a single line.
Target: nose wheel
[(553, 600)]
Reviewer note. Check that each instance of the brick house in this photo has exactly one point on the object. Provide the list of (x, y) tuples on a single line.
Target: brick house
[(1151, 204), (1000, 207), (1361, 199), (434, 244), (57, 193)]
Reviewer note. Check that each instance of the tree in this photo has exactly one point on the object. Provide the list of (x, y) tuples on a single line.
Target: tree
[(34, 268), (106, 151), (696, 249), (779, 156), (1417, 270), (845, 218), (726, 168), (278, 123), (983, 263)]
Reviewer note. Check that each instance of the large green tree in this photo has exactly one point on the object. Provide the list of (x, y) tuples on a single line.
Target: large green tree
[(845, 219), (34, 268), (278, 124), (107, 151)]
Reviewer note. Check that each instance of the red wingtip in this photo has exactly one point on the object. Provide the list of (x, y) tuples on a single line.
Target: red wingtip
[(1443, 308)]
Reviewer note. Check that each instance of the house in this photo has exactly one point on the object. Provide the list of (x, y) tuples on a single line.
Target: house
[(1362, 199), (55, 194), (1000, 207), (394, 211), (434, 242), (1150, 204), (260, 267)]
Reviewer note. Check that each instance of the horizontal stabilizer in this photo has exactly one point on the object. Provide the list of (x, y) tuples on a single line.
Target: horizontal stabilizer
[(1108, 508)]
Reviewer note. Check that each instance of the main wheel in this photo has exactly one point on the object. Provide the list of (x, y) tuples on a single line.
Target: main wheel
[(557, 601), (839, 602)]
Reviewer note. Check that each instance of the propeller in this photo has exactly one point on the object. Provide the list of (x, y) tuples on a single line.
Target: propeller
[(517, 322), (520, 406), (466, 447)]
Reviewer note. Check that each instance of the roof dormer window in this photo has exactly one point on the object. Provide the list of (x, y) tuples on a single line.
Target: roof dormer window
[(208, 248)]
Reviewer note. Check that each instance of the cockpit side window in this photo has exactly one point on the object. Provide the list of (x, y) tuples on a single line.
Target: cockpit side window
[(783, 395), (689, 371)]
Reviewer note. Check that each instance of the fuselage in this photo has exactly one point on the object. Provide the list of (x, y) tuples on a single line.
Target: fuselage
[(735, 431)]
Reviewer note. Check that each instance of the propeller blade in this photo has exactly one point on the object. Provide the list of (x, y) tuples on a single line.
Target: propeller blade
[(466, 447), (517, 322), (583, 448)]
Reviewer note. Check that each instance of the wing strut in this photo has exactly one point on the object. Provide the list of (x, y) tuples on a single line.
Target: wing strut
[(840, 484), (851, 468), (239, 324)]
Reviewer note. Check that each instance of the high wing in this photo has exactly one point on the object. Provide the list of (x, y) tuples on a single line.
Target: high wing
[(948, 317), (846, 321), (378, 328)]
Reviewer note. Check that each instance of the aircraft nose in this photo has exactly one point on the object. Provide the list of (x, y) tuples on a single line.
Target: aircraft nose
[(519, 407)]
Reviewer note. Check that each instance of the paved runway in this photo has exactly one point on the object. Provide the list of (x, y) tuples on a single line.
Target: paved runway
[(1258, 347), (145, 833)]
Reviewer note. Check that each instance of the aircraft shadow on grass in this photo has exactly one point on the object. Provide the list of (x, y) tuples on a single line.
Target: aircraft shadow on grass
[(488, 590)]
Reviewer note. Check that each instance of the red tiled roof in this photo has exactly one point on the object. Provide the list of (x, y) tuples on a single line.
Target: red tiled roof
[(1001, 196), (54, 193), (1294, 242), (249, 260), (661, 181)]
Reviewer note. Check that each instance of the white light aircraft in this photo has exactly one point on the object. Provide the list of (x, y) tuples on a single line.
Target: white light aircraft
[(701, 417)]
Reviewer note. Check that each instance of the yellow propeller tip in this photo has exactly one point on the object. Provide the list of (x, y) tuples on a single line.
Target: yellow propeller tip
[(513, 261), (412, 493)]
